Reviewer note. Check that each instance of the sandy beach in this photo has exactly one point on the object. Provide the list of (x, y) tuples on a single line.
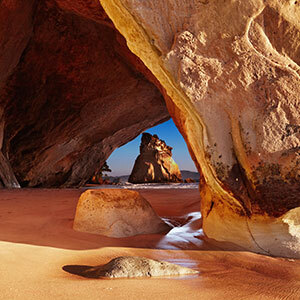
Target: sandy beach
[(37, 240)]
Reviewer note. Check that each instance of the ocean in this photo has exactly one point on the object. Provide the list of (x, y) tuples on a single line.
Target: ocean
[(132, 186)]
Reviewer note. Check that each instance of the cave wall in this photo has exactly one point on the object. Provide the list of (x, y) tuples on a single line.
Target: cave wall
[(231, 71), (71, 94)]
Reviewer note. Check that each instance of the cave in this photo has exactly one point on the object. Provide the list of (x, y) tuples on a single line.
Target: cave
[(80, 79)]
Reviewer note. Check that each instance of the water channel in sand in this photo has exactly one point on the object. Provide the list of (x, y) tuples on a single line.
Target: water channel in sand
[(37, 240)]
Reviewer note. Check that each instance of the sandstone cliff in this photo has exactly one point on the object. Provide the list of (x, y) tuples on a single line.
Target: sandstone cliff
[(231, 69), (155, 162)]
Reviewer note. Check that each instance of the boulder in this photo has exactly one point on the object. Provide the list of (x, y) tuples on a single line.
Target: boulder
[(155, 162), (232, 71), (116, 213), (131, 267)]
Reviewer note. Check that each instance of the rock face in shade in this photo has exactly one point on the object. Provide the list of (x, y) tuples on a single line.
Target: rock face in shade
[(70, 92), (116, 213), (232, 71), (131, 267), (155, 162)]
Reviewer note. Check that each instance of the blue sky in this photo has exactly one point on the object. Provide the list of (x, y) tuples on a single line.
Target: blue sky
[(122, 159)]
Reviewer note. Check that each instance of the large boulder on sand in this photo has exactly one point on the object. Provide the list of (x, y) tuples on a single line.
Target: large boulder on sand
[(116, 213), (155, 162)]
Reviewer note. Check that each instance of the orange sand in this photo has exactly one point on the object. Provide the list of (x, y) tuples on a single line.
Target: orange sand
[(37, 240)]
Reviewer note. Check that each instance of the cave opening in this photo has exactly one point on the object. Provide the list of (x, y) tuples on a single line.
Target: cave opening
[(63, 119), (121, 161), (74, 94)]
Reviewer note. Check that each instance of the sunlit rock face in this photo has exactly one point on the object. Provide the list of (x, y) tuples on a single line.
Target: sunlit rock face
[(155, 162), (232, 71), (70, 92)]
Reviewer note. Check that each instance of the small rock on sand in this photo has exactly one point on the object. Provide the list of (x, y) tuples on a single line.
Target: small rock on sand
[(130, 267)]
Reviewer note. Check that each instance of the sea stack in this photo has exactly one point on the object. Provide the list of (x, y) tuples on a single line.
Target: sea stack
[(155, 162)]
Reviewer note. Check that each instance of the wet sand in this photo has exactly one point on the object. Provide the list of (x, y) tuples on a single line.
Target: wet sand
[(37, 240)]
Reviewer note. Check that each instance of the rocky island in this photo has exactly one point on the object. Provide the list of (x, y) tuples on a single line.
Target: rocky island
[(155, 163)]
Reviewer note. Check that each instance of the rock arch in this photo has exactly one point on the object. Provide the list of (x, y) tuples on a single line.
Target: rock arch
[(235, 97), (230, 84)]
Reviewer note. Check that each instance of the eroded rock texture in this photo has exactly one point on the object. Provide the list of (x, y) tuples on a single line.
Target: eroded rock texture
[(232, 71), (155, 162), (69, 91)]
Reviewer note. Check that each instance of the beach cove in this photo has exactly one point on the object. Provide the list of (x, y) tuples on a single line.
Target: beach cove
[(37, 240)]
